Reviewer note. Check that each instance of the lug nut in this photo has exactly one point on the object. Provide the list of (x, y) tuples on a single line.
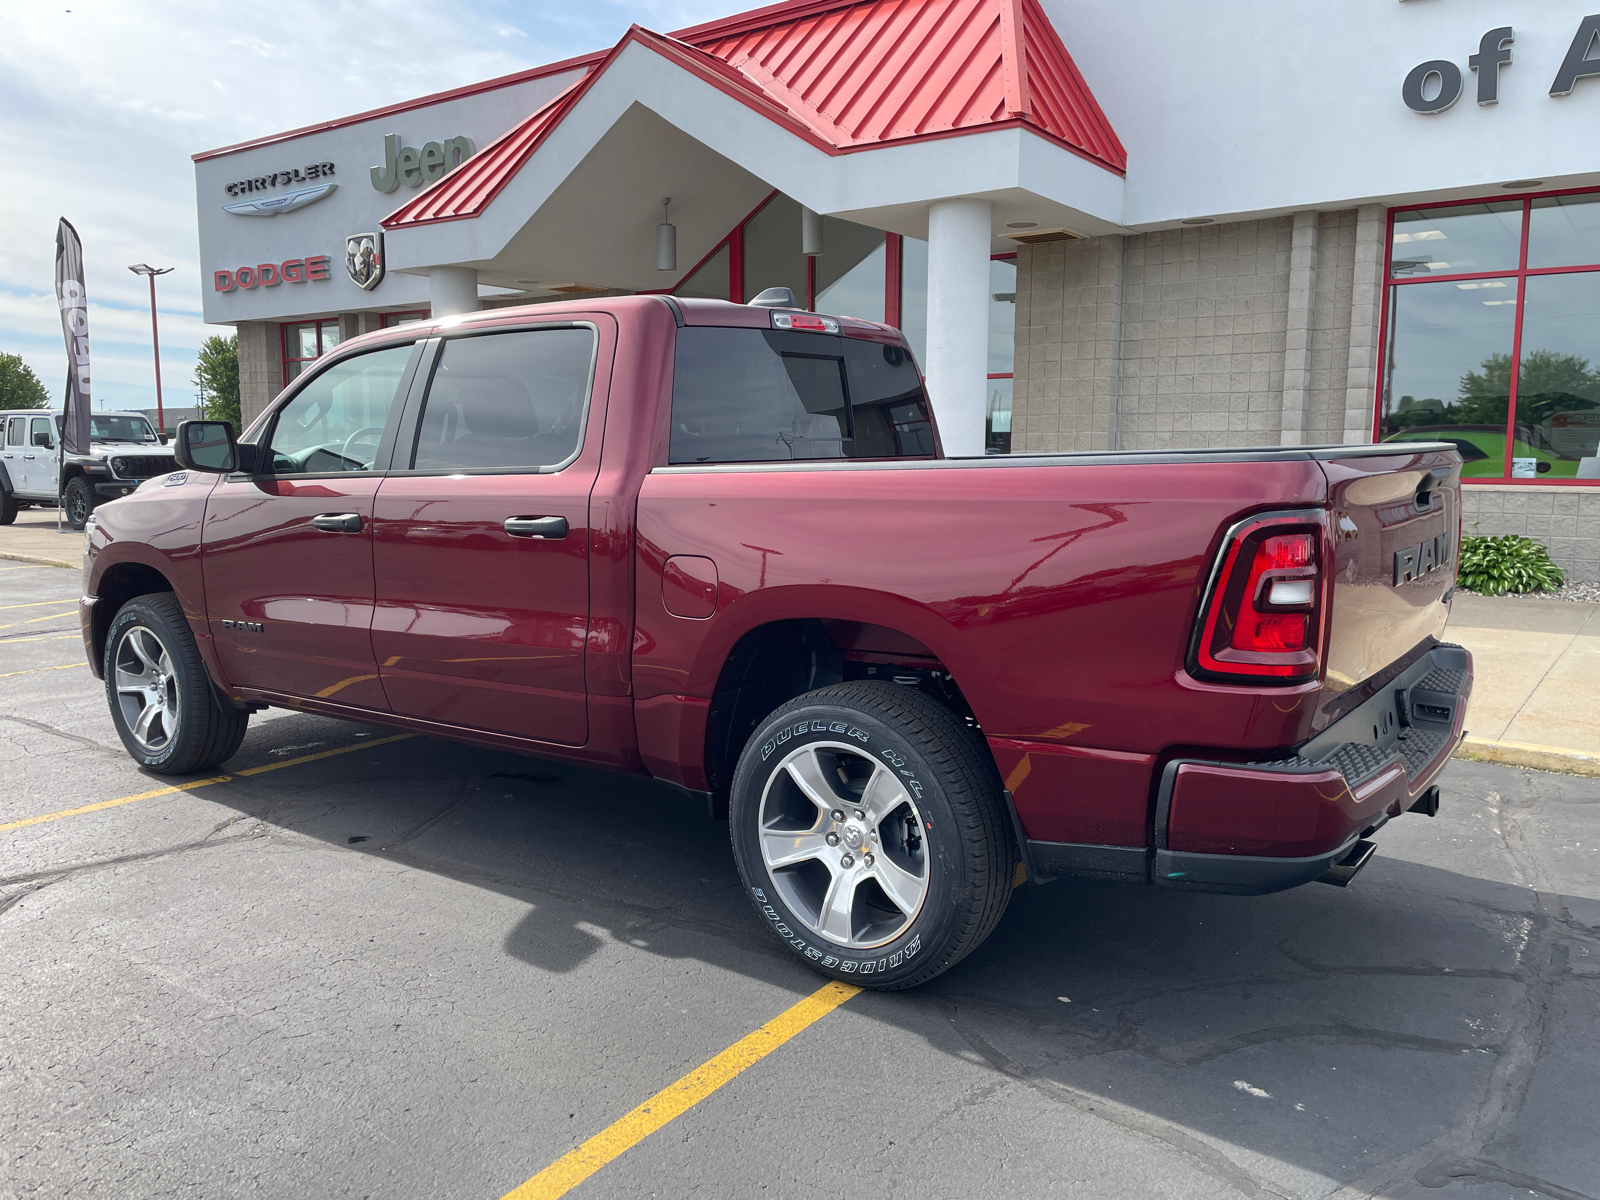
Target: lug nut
[(833, 839), (837, 814), (860, 816), (847, 861), (867, 860)]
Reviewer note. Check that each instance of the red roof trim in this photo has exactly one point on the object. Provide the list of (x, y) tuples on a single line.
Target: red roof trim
[(372, 114)]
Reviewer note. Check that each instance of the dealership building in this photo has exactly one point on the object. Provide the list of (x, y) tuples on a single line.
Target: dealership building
[(1101, 225)]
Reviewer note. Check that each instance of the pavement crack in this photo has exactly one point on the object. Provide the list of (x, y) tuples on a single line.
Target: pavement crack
[(1445, 1171), (42, 727), (1201, 1154), (54, 875), (1335, 1031), (468, 793)]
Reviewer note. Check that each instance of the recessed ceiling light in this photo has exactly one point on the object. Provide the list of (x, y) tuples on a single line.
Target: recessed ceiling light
[(528, 282), (1198, 221), (1523, 183), (1022, 224)]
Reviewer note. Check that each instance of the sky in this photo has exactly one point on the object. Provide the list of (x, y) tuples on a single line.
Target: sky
[(103, 101)]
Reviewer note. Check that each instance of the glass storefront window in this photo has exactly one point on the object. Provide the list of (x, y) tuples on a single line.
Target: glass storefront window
[(850, 271), (1457, 240), (1564, 231), (1502, 358), (1002, 353), (1558, 379), (772, 255), (1448, 372), (304, 342), (914, 297)]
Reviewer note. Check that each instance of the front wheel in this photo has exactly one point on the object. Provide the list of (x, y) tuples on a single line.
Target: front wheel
[(162, 703), (869, 830), (79, 500)]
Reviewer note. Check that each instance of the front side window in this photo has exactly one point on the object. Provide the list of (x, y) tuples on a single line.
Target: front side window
[(41, 425), (506, 401), (758, 395), (335, 423)]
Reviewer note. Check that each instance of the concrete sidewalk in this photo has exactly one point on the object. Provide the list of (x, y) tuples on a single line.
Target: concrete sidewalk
[(1535, 702), (33, 538)]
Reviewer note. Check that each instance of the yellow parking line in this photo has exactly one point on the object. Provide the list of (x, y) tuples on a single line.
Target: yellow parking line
[(43, 637), (35, 604), (34, 620), (41, 670), (572, 1168), (198, 783)]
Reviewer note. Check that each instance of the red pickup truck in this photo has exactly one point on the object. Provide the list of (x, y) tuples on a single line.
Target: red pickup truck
[(718, 545)]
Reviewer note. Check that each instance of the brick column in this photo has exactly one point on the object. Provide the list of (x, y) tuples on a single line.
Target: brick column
[(1366, 303), (260, 368), (1297, 334)]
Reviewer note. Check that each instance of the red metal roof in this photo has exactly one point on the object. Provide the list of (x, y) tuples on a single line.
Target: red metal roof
[(847, 76)]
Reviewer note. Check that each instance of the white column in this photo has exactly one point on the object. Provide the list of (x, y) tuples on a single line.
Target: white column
[(453, 290), (958, 321)]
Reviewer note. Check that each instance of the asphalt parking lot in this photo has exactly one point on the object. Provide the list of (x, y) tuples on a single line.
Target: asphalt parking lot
[(416, 969)]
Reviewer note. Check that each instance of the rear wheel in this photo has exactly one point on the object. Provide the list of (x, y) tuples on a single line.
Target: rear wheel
[(79, 501), (868, 827), (162, 702)]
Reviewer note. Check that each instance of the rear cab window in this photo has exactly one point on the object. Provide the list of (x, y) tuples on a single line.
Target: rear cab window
[(774, 395)]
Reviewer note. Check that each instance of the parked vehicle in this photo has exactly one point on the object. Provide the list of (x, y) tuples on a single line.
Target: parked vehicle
[(123, 450), (719, 545)]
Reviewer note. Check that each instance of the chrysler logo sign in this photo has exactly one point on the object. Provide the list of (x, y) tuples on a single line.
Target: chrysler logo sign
[(271, 206)]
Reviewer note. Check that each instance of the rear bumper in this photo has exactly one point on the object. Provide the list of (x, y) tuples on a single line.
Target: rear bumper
[(1253, 828)]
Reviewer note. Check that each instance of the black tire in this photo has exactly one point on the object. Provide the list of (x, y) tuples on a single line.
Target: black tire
[(79, 500), (965, 863), (8, 509), (196, 730)]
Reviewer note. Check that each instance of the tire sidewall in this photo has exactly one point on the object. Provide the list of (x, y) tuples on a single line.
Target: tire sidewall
[(78, 485), (912, 952), (180, 646)]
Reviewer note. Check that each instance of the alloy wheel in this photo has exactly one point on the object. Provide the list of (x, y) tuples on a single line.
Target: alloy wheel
[(147, 689), (842, 839)]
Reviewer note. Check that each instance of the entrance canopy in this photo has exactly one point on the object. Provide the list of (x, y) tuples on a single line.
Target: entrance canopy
[(873, 111)]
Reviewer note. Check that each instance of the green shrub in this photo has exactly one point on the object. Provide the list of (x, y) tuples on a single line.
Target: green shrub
[(1496, 565)]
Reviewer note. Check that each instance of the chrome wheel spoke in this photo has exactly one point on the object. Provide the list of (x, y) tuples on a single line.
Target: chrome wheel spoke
[(143, 681), (806, 772), (146, 718), (137, 643), (883, 794), (784, 849), (903, 888), (837, 904)]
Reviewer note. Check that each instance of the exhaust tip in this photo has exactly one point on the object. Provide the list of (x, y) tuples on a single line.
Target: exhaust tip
[(1347, 868), (1428, 803)]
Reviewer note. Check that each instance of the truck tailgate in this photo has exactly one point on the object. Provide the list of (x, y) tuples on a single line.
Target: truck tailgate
[(1395, 522)]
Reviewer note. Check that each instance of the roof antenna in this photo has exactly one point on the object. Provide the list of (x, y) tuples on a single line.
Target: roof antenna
[(666, 240)]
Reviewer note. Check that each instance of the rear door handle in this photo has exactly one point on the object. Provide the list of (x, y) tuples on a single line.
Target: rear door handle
[(338, 522), (537, 527)]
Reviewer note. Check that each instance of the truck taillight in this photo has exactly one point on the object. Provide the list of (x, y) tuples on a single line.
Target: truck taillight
[(1263, 612)]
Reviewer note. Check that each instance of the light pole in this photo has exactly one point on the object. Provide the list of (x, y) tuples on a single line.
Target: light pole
[(155, 338)]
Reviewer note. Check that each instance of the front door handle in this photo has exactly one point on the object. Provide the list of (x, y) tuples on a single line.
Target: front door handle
[(338, 522), (537, 527)]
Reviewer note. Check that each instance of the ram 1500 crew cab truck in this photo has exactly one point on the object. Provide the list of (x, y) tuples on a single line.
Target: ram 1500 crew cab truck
[(718, 544)]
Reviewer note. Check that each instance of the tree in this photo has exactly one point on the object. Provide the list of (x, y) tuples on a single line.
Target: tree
[(19, 386), (216, 374), (1548, 382)]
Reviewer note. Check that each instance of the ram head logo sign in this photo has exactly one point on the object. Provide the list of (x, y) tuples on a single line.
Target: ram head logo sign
[(363, 258)]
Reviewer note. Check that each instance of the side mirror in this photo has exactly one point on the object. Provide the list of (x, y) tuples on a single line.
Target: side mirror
[(42, 440), (206, 446), (162, 438)]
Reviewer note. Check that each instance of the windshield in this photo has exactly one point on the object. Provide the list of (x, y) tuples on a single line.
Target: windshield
[(120, 429)]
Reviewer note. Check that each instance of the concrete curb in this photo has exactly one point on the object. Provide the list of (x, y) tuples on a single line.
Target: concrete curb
[(38, 561), (1527, 754)]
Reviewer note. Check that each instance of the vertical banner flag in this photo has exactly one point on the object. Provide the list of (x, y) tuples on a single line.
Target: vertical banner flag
[(74, 304)]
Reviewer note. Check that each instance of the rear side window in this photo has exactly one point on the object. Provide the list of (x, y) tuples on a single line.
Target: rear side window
[(769, 395), (506, 401)]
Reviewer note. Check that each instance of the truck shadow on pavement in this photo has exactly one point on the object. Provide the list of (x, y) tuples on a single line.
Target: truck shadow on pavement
[(1431, 1026)]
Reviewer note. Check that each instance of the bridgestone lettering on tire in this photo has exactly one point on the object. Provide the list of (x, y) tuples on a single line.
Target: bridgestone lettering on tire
[(868, 828), (162, 703)]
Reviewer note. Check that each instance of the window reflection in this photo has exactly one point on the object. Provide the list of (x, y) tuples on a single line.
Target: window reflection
[(1564, 231), (1448, 374), (850, 271), (1457, 240), (710, 282), (1558, 377), (772, 255)]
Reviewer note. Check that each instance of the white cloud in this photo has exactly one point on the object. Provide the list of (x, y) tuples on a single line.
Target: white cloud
[(104, 103)]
